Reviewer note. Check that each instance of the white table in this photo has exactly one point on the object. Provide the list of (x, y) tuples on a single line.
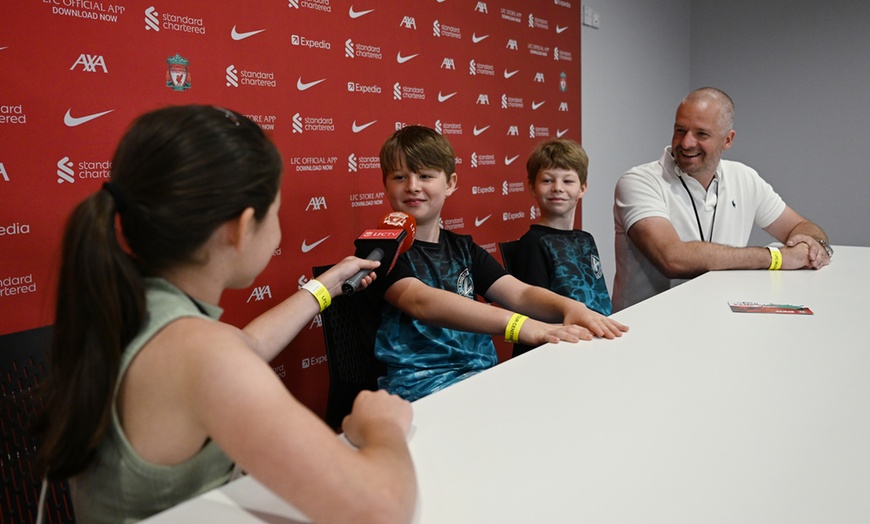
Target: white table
[(698, 414)]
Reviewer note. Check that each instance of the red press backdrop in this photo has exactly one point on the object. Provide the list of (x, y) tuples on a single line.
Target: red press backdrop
[(329, 81)]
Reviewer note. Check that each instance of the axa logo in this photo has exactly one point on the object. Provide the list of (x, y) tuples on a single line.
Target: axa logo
[(3, 172), (409, 22), (482, 99), (511, 44), (448, 63), (316, 203), (539, 77), (65, 173), (513, 131), (90, 63), (232, 76), (563, 106), (481, 8), (151, 21), (260, 293)]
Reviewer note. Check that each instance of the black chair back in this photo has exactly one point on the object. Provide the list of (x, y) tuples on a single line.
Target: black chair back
[(349, 327), (507, 250), (23, 365)]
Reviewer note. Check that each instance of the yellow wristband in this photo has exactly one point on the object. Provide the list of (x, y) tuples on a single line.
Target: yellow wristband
[(512, 331), (321, 294), (775, 258)]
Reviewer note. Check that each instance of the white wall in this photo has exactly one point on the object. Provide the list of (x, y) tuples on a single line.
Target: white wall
[(799, 74), (635, 70)]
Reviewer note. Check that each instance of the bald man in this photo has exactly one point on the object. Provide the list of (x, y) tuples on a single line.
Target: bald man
[(691, 212)]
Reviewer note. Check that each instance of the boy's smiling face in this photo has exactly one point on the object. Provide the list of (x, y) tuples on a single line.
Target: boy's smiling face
[(557, 191), (421, 194)]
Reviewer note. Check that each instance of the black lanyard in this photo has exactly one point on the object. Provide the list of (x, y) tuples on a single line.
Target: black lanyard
[(695, 209)]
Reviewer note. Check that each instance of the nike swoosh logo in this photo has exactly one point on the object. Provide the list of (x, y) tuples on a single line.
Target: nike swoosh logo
[(4, 47), (402, 59), (357, 129), (302, 86), (72, 121), (442, 98), (241, 36), (357, 14), (308, 247), (536, 105), (476, 39), (560, 29), (478, 221), (479, 131), (560, 133), (509, 161), (508, 75)]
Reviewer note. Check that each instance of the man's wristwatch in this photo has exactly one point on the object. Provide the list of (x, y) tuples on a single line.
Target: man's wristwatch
[(828, 248)]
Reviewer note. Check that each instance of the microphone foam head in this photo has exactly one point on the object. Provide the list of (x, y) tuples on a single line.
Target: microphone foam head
[(399, 220)]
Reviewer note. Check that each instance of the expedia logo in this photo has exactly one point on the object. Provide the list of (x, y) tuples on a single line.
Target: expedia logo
[(355, 87), (309, 43), (14, 229), (313, 361), (507, 217)]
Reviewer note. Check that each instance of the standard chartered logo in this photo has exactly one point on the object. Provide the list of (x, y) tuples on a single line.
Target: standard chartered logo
[(504, 188), (473, 159), (504, 102), (64, 171), (348, 48), (436, 28), (151, 22), (232, 76), (351, 163), (397, 91), (297, 123), (472, 68)]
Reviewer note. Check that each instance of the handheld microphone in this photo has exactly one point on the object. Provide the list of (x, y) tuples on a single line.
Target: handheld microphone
[(394, 236)]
